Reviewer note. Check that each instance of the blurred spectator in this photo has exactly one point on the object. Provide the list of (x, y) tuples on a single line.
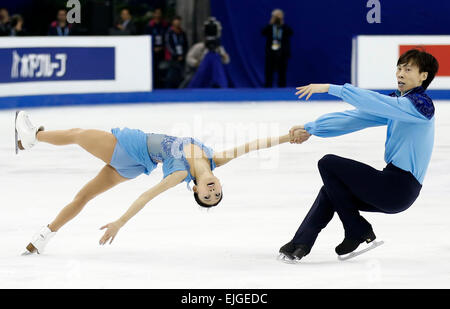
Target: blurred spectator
[(60, 27), (5, 22), (125, 24), (176, 44), (199, 50), (277, 35), (157, 28), (17, 26)]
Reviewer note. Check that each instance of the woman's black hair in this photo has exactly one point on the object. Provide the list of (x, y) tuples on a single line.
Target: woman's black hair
[(197, 199)]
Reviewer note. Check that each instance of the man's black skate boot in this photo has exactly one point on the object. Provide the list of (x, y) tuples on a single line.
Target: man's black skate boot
[(350, 245), (294, 251)]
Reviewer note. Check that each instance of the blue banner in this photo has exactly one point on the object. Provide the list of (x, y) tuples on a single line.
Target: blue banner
[(321, 46), (56, 63)]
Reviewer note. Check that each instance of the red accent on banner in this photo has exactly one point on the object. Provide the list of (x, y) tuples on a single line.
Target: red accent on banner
[(440, 52)]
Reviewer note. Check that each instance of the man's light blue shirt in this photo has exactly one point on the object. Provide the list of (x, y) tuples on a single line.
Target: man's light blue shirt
[(409, 119)]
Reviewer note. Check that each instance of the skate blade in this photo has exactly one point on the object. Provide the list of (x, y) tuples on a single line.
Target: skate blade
[(16, 134), (26, 252), (18, 143), (285, 259), (353, 254)]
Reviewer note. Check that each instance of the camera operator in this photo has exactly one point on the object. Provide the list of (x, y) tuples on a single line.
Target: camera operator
[(278, 47), (199, 50)]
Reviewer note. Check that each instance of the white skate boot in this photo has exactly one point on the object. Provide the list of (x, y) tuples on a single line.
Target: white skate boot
[(25, 131), (39, 241)]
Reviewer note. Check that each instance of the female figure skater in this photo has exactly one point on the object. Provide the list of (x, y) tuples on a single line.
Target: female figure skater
[(350, 186), (128, 153)]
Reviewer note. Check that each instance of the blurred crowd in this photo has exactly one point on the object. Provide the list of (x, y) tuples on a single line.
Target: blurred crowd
[(14, 25), (11, 25), (174, 63)]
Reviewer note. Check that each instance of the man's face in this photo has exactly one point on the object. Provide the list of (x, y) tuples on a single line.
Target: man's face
[(125, 15), (278, 14), (176, 23), (157, 14), (409, 77), (61, 16), (4, 15)]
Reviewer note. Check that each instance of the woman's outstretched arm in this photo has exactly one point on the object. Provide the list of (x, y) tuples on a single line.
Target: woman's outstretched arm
[(113, 228), (226, 156)]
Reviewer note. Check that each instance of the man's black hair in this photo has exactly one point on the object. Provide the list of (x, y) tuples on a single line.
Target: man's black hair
[(59, 10), (197, 199), (425, 61), (125, 8)]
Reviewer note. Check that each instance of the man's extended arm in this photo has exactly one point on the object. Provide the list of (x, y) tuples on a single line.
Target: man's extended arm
[(374, 103), (396, 108), (340, 123)]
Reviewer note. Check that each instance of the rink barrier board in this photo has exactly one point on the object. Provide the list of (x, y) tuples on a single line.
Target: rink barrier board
[(374, 58), (176, 96), (34, 66)]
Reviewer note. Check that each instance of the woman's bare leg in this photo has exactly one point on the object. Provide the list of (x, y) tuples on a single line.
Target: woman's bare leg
[(105, 180), (99, 143)]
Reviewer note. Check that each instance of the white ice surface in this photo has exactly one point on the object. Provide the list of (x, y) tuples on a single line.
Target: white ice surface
[(171, 243)]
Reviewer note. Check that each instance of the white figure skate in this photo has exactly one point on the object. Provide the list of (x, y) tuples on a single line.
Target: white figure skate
[(39, 241), (25, 131)]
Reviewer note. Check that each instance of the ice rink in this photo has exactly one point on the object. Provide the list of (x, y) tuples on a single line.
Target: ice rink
[(172, 243)]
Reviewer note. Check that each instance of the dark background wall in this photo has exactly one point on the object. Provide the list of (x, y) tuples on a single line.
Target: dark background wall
[(97, 16), (14, 6), (323, 30)]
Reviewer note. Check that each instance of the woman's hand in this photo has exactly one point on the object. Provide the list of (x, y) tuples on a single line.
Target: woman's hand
[(298, 134), (310, 89), (111, 232), (293, 129)]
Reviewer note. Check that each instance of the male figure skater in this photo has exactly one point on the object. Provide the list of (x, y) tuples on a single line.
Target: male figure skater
[(350, 186)]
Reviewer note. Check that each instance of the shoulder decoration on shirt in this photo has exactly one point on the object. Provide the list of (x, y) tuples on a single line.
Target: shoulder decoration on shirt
[(421, 101)]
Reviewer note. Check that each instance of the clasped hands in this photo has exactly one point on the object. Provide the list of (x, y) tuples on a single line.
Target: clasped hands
[(298, 134)]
